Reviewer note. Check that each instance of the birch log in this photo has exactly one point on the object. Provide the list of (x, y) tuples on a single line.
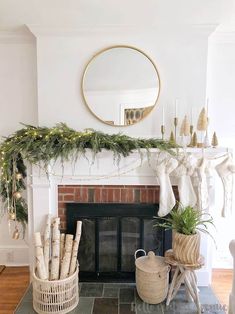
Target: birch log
[(47, 244), (67, 256), (62, 238), (40, 263), (75, 248), (55, 259)]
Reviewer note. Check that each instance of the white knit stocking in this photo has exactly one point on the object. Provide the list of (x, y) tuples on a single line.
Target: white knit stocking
[(167, 197), (225, 171), (186, 191), (203, 194)]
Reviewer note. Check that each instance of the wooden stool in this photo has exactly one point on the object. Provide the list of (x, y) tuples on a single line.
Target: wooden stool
[(184, 273)]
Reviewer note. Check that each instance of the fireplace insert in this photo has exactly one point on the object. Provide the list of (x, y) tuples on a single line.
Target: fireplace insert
[(111, 234)]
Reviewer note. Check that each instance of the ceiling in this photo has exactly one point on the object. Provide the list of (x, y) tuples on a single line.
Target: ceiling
[(97, 13)]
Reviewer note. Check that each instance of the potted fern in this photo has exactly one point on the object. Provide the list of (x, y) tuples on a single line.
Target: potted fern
[(186, 222)]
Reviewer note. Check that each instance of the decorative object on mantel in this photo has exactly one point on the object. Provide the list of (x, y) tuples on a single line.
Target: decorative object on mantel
[(55, 278), (184, 273), (185, 130), (186, 222), (214, 141), (152, 277), (39, 145), (172, 138), (202, 125)]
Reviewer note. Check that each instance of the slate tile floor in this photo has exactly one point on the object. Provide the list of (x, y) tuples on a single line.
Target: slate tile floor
[(112, 298)]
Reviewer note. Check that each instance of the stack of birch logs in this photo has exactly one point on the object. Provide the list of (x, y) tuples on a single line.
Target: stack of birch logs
[(56, 256)]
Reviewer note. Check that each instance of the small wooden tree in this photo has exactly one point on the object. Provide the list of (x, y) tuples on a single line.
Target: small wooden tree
[(172, 138), (194, 139), (214, 141)]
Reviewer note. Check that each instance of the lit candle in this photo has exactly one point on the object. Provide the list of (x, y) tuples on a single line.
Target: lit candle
[(163, 115), (176, 108)]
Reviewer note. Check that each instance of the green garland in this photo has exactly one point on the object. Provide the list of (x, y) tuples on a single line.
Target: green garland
[(42, 144)]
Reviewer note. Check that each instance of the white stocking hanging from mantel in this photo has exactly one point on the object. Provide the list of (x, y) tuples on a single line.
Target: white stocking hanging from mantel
[(225, 171), (167, 197), (203, 193), (183, 172)]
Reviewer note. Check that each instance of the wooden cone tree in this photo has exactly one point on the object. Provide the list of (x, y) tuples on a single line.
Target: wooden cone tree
[(185, 127), (194, 139), (202, 122), (214, 141), (172, 138)]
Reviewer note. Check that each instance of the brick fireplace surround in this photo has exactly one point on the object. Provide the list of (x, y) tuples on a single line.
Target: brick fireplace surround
[(141, 194)]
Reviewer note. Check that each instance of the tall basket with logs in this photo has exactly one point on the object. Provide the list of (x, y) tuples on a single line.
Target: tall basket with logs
[(55, 277)]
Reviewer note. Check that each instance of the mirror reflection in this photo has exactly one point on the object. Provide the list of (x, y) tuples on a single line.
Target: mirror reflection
[(121, 85)]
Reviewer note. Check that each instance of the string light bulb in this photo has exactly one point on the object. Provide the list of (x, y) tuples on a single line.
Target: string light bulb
[(18, 176)]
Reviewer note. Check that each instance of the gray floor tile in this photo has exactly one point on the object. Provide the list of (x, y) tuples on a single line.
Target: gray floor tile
[(91, 290), (112, 292), (127, 308), (85, 306), (126, 295), (25, 308), (105, 306)]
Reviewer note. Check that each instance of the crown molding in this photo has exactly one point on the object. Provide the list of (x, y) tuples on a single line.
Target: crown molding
[(112, 29)]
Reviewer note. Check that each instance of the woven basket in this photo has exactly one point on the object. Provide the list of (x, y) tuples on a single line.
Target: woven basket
[(58, 296), (152, 278)]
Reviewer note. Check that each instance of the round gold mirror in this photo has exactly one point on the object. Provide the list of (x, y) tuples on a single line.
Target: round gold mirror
[(121, 85)]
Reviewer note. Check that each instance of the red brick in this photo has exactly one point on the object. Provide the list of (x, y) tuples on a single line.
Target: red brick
[(123, 195), (97, 198), (66, 190), (62, 218), (110, 195), (84, 196), (61, 205), (104, 195), (143, 196), (156, 196), (117, 195), (68, 197), (77, 194), (150, 196), (130, 195), (63, 225), (60, 197), (61, 211)]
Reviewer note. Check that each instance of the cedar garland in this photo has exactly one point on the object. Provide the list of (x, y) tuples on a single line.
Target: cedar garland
[(42, 144)]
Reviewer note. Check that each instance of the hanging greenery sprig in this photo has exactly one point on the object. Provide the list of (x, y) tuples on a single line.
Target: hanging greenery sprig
[(42, 144)]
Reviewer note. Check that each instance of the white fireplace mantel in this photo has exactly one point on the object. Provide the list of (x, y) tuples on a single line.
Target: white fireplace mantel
[(42, 190)]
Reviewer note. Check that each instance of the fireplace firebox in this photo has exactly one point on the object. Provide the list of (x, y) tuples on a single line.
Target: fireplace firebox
[(111, 234)]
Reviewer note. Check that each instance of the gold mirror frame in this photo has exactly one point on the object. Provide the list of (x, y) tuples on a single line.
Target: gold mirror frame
[(90, 62)]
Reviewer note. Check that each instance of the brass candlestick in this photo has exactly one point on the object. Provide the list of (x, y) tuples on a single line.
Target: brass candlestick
[(191, 136), (176, 120), (163, 131)]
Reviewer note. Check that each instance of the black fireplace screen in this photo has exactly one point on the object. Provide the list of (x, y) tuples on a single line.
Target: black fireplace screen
[(111, 233)]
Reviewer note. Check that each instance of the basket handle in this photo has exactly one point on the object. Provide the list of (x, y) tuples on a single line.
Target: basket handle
[(140, 250)]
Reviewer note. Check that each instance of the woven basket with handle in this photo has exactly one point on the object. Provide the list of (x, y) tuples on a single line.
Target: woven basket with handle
[(152, 276)]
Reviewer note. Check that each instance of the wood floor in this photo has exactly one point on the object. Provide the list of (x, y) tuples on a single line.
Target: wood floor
[(13, 283), (222, 284), (15, 280)]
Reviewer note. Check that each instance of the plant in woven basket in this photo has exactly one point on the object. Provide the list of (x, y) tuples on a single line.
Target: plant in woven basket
[(186, 222)]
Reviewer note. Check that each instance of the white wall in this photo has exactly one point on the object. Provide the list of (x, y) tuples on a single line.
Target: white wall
[(180, 55), (221, 93), (18, 103)]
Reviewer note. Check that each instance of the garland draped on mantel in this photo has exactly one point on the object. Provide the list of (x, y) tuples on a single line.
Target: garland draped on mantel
[(42, 144)]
